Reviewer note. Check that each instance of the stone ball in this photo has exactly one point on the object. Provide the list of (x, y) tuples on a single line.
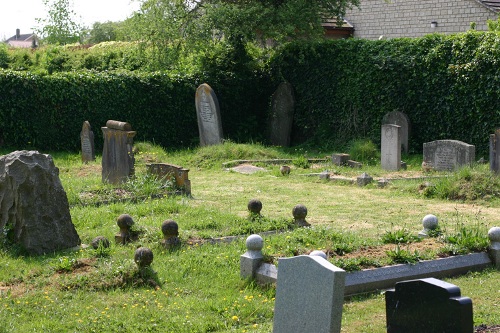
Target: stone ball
[(124, 221), (170, 228), (100, 241), (255, 206), (143, 257), (318, 253), (430, 222), (494, 235), (299, 211), (254, 243), (285, 170)]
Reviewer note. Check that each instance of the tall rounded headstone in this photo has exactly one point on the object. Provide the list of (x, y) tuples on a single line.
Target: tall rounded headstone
[(282, 111), (402, 120), (208, 114)]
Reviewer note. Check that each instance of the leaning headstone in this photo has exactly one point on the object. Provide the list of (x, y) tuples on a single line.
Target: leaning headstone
[(427, 305), (208, 113), (117, 155), (391, 147), (309, 295), (402, 120), (448, 154), (34, 209), (87, 141), (495, 151), (281, 117)]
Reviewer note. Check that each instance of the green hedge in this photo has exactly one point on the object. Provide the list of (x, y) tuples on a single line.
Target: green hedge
[(449, 86)]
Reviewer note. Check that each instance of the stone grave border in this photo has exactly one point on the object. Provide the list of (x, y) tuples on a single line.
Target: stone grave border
[(252, 266), (234, 163)]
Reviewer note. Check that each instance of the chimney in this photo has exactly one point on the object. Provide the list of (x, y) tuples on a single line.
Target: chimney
[(18, 33)]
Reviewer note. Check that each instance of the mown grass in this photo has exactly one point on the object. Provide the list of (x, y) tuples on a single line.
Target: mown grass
[(196, 287)]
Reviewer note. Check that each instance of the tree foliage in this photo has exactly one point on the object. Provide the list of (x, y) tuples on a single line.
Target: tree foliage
[(60, 26)]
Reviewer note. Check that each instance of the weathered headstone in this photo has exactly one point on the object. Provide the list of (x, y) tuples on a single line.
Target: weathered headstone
[(402, 120), (391, 147), (208, 113), (87, 141), (495, 151), (118, 155), (281, 117), (448, 154), (309, 296), (427, 305), (164, 171), (34, 209)]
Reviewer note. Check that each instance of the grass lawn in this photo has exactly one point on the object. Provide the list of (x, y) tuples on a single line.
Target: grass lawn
[(196, 287)]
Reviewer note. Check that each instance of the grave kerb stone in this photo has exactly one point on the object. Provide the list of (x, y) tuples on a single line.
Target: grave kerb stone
[(309, 296)]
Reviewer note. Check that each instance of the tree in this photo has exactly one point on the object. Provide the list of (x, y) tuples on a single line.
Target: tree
[(60, 26)]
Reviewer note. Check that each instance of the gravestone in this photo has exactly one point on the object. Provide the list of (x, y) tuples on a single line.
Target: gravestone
[(281, 117), (427, 305), (309, 295), (391, 147), (164, 171), (118, 155), (448, 154), (34, 209), (402, 120), (495, 151), (208, 113), (87, 141)]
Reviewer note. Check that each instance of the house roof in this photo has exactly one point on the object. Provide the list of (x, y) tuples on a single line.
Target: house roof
[(493, 5), (21, 38)]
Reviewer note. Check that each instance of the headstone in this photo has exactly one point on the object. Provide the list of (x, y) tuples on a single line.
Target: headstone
[(118, 155), (495, 151), (87, 141), (448, 154), (164, 171), (281, 117), (34, 209), (402, 120), (340, 159), (391, 147), (427, 305), (309, 295), (494, 250), (208, 113)]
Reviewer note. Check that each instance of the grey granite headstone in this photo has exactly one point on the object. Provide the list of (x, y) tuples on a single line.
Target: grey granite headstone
[(448, 154), (208, 114), (402, 120), (309, 296), (391, 147), (282, 111), (87, 141), (118, 155), (428, 305), (34, 209)]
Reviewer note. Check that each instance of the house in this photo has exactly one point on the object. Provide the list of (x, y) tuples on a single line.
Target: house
[(415, 18), (25, 40)]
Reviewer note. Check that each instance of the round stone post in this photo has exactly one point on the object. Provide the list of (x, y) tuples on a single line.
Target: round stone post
[(124, 222), (430, 223), (143, 257), (254, 207), (170, 230), (494, 236), (251, 260), (299, 214)]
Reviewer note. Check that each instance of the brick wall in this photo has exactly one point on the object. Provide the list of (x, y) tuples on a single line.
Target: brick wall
[(412, 18)]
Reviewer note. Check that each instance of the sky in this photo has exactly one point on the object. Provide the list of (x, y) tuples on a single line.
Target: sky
[(21, 14)]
